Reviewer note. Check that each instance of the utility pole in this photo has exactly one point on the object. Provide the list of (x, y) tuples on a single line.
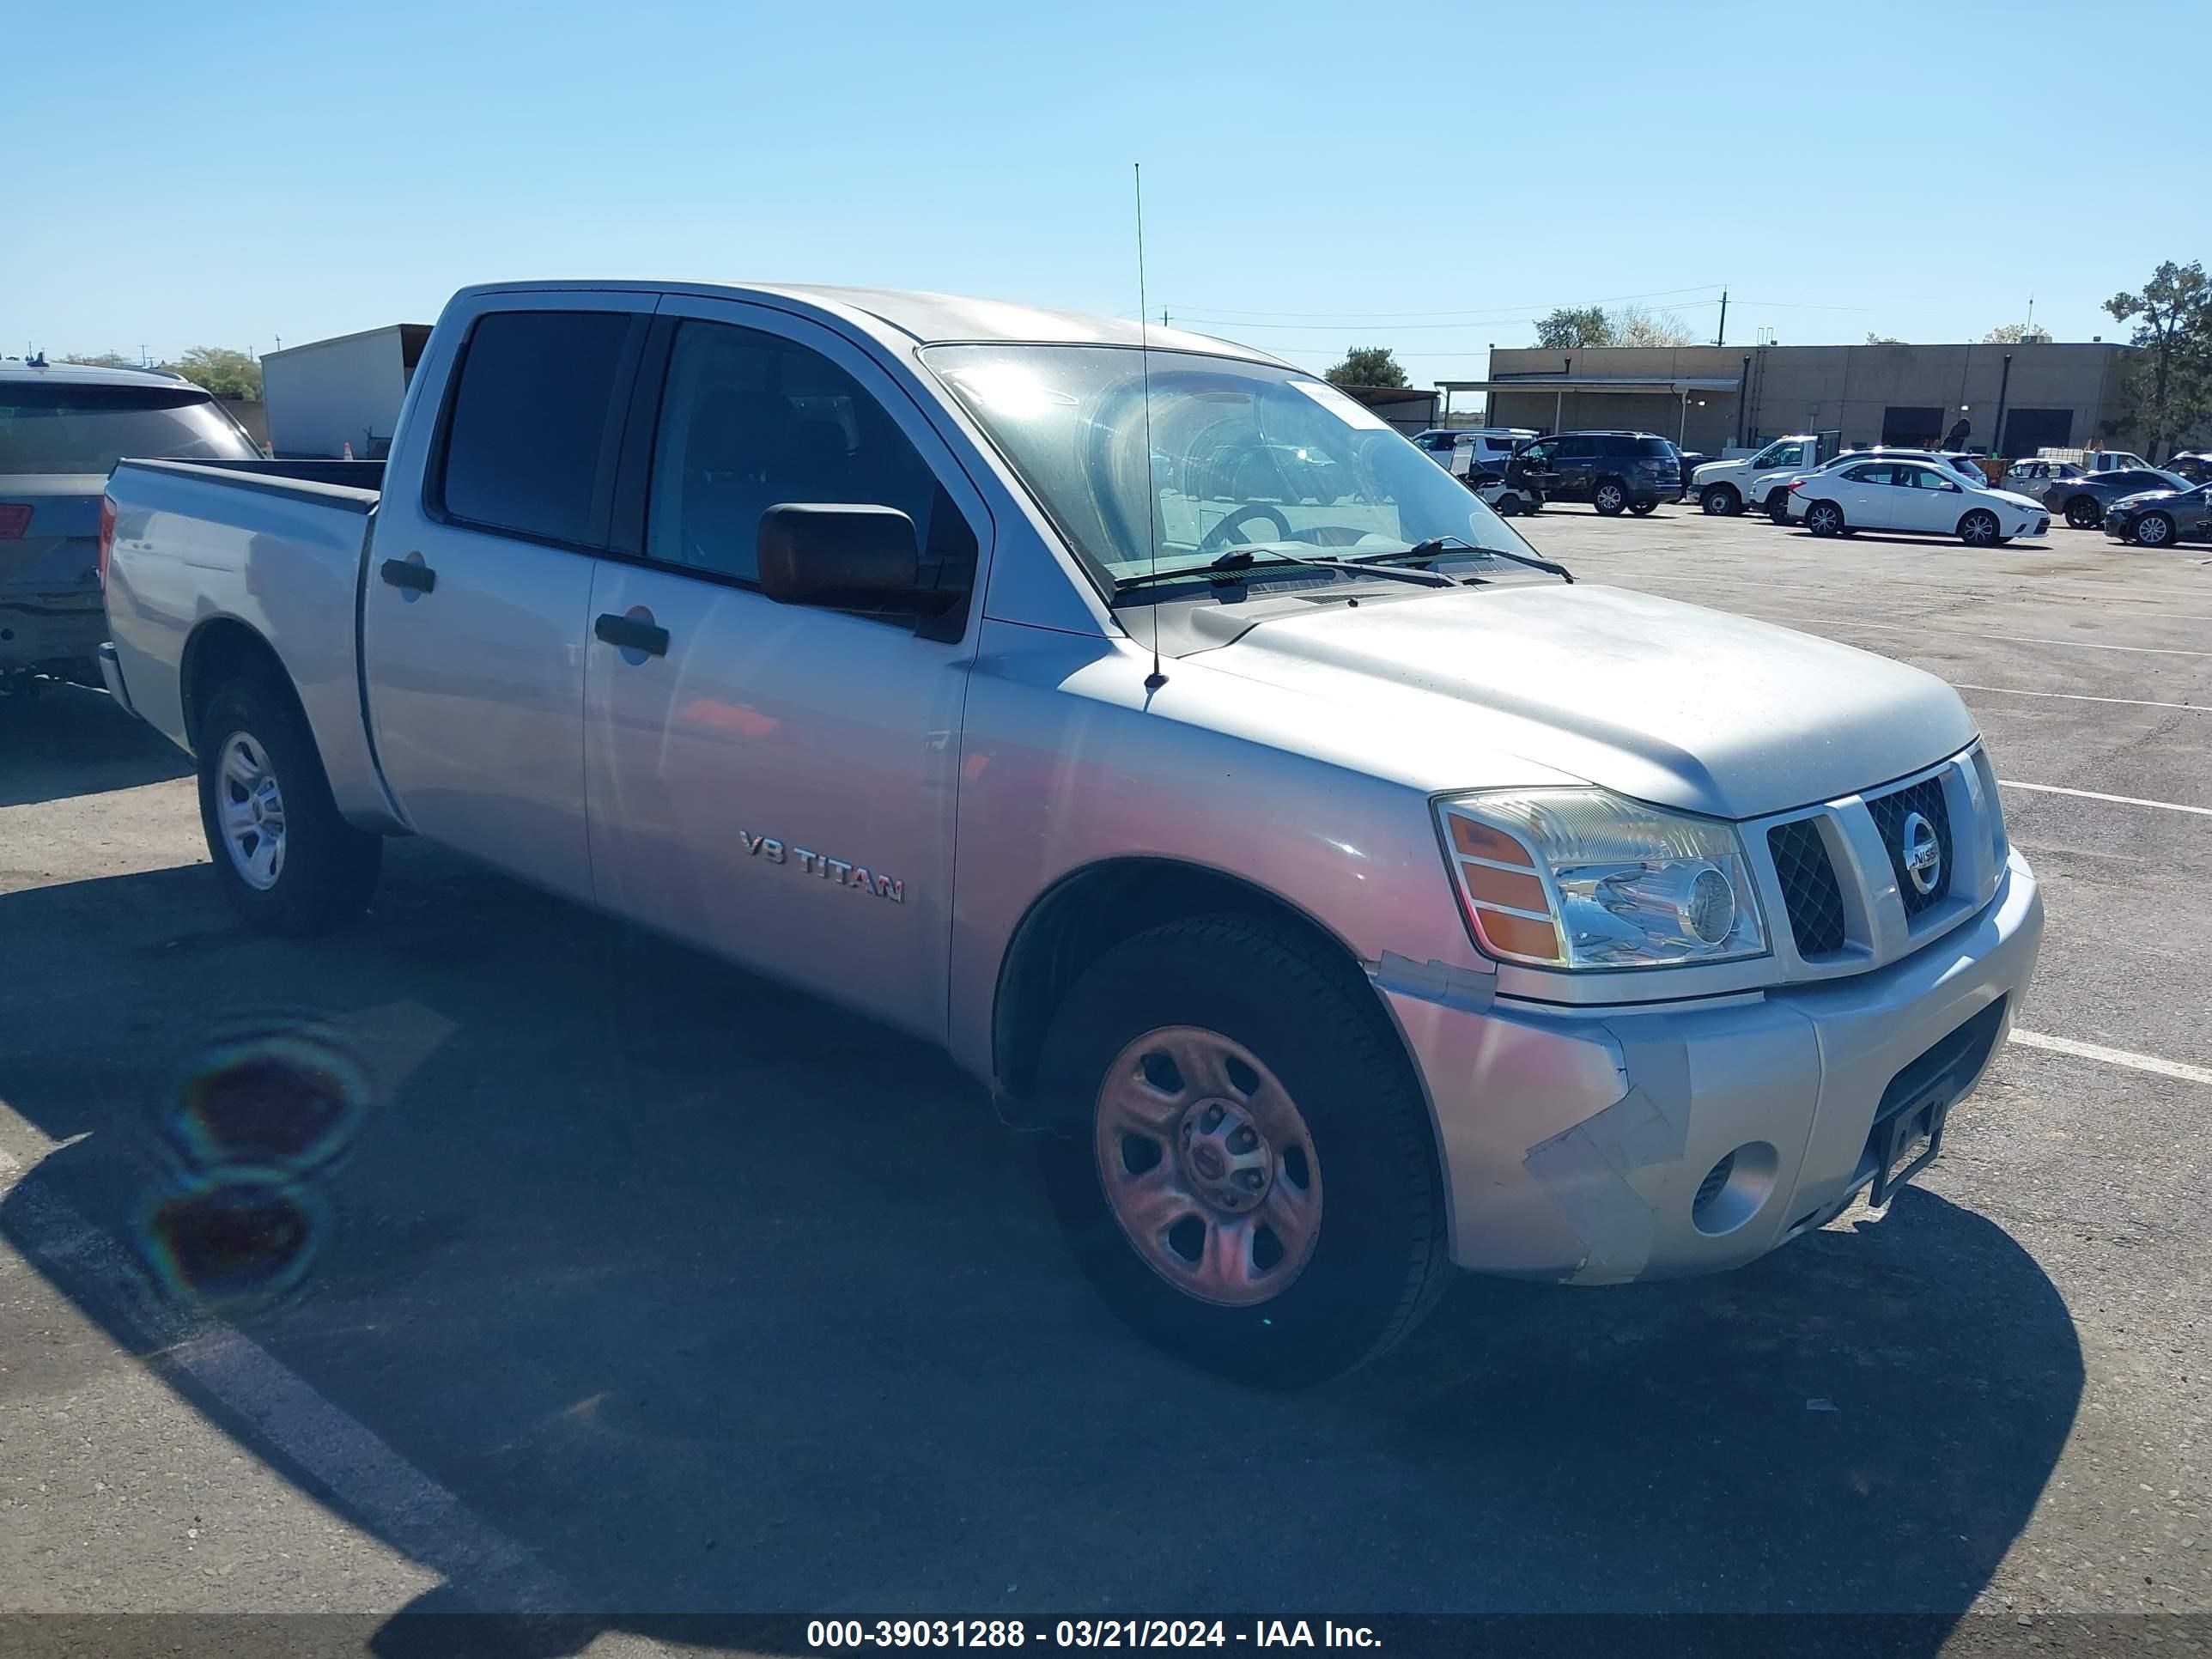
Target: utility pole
[(1723, 336)]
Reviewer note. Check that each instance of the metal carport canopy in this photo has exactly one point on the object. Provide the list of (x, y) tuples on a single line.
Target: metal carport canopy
[(1662, 385)]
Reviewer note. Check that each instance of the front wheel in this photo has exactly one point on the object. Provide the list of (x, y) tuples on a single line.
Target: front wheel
[(284, 858), (1609, 497), (1250, 1179), (1825, 519), (1721, 500), (2153, 530), (1979, 528)]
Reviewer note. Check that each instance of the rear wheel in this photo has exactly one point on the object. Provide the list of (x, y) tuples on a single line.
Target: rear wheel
[(1777, 506), (2084, 513), (1721, 500), (1507, 505), (282, 855), (1979, 528), (1609, 497), (1251, 1179), (2153, 530), (1640, 508), (1825, 519)]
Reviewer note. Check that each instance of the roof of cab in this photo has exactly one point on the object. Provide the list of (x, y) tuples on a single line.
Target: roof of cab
[(934, 318), (15, 368)]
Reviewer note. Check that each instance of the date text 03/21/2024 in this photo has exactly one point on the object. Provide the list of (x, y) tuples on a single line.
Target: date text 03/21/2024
[(828, 1634)]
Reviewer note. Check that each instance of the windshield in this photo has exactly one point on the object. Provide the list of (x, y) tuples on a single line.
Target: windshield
[(1243, 455), (59, 428)]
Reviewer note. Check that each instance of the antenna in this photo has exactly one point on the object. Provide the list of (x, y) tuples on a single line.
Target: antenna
[(1156, 679)]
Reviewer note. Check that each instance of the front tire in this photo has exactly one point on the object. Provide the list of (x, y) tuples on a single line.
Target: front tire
[(1721, 500), (283, 856), (2152, 529), (1251, 1180), (1609, 497), (1979, 528), (2084, 513), (1825, 519)]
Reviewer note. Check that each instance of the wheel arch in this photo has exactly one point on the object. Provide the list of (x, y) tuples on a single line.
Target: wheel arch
[(220, 648), (1091, 909)]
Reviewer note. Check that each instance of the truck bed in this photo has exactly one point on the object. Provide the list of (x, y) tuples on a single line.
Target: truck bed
[(276, 546)]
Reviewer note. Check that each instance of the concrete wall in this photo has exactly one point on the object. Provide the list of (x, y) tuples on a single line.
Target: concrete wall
[(1824, 388)]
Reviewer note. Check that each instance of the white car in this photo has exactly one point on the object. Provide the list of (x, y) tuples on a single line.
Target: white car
[(1486, 449), (1915, 495)]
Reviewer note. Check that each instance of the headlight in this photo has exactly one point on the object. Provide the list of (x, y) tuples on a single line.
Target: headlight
[(1586, 878)]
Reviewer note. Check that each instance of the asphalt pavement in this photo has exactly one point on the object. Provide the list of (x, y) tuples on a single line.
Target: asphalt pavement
[(605, 1280)]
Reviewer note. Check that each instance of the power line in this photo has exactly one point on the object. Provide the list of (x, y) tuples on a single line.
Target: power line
[(1500, 312)]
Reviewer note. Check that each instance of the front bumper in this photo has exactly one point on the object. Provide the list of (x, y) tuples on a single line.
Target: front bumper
[(1574, 1144)]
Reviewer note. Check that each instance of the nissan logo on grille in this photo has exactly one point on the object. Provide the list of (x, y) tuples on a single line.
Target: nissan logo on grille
[(1922, 852)]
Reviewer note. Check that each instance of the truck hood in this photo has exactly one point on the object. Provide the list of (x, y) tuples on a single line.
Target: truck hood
[(1671, 703)]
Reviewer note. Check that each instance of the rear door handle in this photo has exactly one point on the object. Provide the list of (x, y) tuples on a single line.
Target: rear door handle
[(408, 573), (633, 633)]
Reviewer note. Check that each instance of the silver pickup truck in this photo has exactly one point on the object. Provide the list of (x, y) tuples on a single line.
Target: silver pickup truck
[(1349, 892)]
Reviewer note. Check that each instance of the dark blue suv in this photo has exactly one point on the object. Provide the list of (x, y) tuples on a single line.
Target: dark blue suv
[(1612, 470)]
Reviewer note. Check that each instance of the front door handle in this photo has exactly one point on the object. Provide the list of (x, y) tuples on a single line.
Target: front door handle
[(408, 573), (633, 633)]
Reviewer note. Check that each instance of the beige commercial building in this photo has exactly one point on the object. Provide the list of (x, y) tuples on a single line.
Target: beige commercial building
[(2014, 399)]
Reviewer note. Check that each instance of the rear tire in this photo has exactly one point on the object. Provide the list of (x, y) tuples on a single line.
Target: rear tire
[(1721, 500), (2084, 513), (2152, 529), (1610, 497), (1777, 506), (1825, 519), (283, 856), (1258, 1016), (1508, 506), (1641, 508)]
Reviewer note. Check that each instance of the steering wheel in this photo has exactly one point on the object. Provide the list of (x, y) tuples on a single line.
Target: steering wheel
[(1221, 535)]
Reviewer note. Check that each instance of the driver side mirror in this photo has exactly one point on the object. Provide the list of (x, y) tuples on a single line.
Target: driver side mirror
[(845, 557)]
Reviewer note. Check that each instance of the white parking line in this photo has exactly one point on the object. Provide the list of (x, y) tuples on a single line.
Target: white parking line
[(2097, 795), (370, 1484), (2097, 1051), (2081, 696), (2013, 639)]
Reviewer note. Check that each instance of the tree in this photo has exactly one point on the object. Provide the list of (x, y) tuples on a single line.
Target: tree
[(1570, 326), (1367, 365), (1634, 325), (2017, 334), (225, 371), (102, 360), (1883, 339), (2172, 315)]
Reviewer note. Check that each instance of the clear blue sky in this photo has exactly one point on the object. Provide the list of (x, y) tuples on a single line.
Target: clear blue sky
[(1315, 175)]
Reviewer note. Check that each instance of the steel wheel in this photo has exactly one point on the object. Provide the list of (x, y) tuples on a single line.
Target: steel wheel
[(1208, 1166), (252, 809), (2083, 514), (1978, 529), (2153, 530)]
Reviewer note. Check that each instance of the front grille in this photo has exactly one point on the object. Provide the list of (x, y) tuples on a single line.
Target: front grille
[(1808, 886), (1892, 812)]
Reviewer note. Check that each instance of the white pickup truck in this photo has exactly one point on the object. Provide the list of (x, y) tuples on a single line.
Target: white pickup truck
[(1350, 892), (1760, 480)]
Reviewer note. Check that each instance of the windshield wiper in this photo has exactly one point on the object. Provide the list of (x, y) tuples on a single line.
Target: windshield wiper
[(1437, 546), (1232, 567)]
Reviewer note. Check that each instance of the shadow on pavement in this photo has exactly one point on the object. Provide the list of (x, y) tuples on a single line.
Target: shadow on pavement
[(717, 1299), (63, 741)]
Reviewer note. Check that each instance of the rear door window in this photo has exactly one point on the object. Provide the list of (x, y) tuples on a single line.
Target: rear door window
[(56, 426), (1577, 449), (534, 417)]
